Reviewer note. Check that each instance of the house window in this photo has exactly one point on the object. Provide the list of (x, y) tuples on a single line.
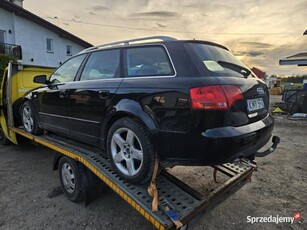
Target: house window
[(2, 36), (49, 45), (68, 50), (2, 41)]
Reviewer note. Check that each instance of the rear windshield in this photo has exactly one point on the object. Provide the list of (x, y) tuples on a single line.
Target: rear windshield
[(219, 62)]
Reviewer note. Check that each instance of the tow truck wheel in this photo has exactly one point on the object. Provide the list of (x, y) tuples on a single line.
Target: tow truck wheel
[(130, 151), (70, 179), (3, 139), (29, 119)]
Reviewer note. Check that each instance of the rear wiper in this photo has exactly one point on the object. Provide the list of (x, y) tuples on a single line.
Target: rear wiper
[(240, 69)]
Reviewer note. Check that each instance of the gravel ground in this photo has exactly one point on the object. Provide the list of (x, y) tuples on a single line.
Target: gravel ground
[(30, 196)]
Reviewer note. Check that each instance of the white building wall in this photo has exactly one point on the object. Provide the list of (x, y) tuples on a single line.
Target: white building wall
[(18, 2), (7, 25), (32, 39)]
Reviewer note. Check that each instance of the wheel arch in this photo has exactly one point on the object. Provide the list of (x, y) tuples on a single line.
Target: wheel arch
[(17, 111), (56, 161), (23, 100), (28, 98), (132, 109)]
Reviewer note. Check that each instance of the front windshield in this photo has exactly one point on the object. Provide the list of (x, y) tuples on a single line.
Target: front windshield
[(215, 60)]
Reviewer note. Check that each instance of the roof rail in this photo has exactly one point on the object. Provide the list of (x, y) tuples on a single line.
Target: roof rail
[(126, 42)]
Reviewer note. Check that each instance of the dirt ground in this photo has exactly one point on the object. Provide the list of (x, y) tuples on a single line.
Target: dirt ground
[(279, 187)]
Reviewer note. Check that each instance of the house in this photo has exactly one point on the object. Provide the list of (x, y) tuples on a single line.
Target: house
[(299, 59), (258, 73), (33, 40)]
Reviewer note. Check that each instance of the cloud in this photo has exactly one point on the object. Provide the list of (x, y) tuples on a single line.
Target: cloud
[(252, 53), (261, 32), (99, 8), (269, 61), (160, 14), (257, 44), (160, 25), (301, 7)]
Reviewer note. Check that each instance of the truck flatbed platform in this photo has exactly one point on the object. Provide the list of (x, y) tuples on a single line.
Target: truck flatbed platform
[(188, 204)]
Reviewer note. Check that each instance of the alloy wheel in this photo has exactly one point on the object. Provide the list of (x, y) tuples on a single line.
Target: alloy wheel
[(27, 118), (127, 151)]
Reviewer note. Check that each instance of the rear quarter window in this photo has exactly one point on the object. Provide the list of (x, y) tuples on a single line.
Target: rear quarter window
[(147, 61), (218, 61)]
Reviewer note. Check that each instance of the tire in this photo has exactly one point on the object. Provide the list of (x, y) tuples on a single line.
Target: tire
[(29, 119), (16, 111), (70, 179), (3, 139), (130, 151)]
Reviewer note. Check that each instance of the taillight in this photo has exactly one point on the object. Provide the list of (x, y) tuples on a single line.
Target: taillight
[(215, 96)]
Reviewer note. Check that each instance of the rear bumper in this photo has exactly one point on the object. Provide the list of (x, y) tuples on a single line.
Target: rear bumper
[(215, 146)]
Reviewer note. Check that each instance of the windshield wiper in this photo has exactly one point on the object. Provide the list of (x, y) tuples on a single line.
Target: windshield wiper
[(240, 69)]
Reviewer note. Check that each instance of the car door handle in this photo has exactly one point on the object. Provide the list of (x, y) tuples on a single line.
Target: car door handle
[(103, 94)]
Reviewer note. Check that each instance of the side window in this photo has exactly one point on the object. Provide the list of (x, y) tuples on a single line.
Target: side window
[(2, 42), (147, 61), (101, 65), (49, 45), (68, 70), (69, 50)]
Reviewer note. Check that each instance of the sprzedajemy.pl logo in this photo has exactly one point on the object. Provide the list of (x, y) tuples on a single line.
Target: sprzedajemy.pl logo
[(273, 219)]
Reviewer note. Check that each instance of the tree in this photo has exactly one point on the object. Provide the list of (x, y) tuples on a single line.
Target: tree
[(4, 61)]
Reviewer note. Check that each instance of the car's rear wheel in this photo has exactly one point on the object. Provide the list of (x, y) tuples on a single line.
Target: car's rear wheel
[(70, 179), (29, 119), (130, 150)]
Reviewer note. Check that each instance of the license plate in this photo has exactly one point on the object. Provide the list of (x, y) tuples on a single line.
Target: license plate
[(255, 104)]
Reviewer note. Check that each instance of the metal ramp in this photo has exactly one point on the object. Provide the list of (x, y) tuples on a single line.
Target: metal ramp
[(188, 204)]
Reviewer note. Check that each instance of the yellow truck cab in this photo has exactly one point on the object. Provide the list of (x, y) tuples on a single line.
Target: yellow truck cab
[(15, 83)]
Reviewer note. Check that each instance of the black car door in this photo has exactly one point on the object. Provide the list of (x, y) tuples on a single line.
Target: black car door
[(51, 100), (90, 97)]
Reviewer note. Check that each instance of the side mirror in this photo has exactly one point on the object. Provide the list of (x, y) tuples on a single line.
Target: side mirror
[(41, 79)]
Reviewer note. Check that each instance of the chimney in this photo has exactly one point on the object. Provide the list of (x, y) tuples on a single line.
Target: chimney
[(17, 2)]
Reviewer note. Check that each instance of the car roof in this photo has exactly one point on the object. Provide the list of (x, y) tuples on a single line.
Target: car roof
[(147, 41)]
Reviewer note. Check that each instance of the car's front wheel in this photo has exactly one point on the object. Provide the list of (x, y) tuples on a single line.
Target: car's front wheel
[(130, 150), (29, 119), (3, 139)]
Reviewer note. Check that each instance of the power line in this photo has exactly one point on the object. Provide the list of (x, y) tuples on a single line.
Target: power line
[(178, 31)]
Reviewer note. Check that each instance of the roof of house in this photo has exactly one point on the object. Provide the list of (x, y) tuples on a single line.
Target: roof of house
[(258, 72), (19, 11), (299, 59)]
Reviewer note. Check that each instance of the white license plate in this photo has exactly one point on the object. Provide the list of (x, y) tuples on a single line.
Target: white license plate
[(255, 104)]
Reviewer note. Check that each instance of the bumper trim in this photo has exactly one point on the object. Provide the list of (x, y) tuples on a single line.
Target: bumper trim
[(230, 131)]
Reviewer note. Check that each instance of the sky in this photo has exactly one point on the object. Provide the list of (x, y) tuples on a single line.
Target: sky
[(259, 32)]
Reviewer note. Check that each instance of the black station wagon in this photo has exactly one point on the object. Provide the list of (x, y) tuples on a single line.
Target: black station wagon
[(186, 102)]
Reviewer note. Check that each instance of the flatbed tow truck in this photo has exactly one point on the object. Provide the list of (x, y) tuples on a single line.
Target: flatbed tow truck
[(178, 202)]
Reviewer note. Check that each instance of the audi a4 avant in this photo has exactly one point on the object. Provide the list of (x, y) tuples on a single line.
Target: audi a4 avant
[(187, 102)]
